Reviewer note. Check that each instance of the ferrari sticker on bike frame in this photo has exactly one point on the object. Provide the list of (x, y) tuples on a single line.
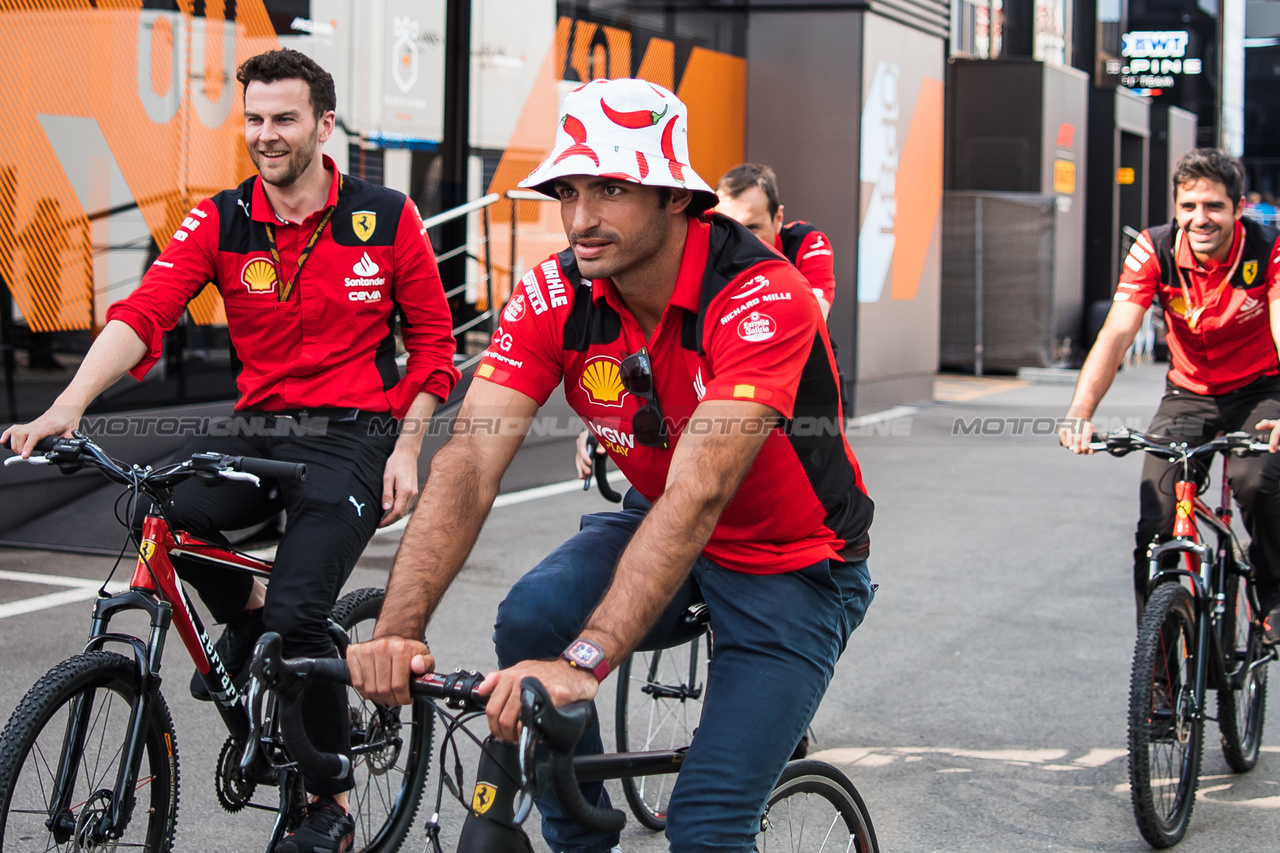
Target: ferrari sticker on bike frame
[(482, 799), (1184, 509), (145, 550)]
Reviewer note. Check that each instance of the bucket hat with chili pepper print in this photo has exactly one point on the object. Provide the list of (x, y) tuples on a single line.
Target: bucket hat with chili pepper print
[(628, 129)]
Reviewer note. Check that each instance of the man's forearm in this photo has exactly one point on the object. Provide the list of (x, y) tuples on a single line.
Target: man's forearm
[(1096, 376), (436, 542), (117, 349), (652, 568), (414, 425)]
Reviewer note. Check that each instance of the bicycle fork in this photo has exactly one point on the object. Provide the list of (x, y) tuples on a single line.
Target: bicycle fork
[(62, 822)]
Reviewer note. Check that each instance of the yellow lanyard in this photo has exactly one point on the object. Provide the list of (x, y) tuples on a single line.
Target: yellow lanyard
[(287, 288), (1192, 312)]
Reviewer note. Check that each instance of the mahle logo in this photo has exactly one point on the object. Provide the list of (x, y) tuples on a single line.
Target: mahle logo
[(602, 380)]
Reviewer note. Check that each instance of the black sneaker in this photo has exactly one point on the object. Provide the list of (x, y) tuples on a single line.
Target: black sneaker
[(235, 647), (327, 828)]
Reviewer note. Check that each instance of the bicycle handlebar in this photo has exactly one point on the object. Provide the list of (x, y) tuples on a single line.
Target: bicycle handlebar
[(1123, 441), (559, 728), (72, 454), (599, 469)]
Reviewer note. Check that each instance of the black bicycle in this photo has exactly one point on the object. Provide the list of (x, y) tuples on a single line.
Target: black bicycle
[(89, 758), (814, 807), (1201, 630)]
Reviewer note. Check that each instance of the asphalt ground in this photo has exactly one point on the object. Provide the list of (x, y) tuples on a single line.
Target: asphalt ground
[(981, 706)]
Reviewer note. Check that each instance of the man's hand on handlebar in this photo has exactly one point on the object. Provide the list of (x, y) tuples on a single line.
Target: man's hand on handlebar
[(59, 420), (564, 684), (1075, 434), (583, 459), (1274, 426), (380, 668)]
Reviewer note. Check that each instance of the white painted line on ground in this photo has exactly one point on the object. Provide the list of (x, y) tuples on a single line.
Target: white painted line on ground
[(502, 500), (83, 589), (880, 417)]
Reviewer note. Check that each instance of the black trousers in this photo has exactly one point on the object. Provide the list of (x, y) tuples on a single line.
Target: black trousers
[(1255, 480), (329, 519)]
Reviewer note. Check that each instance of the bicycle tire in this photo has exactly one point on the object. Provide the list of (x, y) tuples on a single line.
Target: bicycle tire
[(1242, 711), (1166, 732), (389, 780), (814, 808), (33, 740), (658, 705)]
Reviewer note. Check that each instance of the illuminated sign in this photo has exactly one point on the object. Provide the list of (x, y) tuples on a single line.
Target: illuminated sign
[(1155, 59), (1154, 45)]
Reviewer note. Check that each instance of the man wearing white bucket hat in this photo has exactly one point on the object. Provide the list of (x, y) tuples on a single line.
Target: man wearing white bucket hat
[(699, 358)]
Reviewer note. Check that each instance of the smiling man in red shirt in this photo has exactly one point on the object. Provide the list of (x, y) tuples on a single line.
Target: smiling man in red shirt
[(1218, 279), (699, 357), (312, 266)]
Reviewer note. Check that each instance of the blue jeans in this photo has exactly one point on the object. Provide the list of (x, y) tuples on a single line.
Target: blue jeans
[(777, 639)]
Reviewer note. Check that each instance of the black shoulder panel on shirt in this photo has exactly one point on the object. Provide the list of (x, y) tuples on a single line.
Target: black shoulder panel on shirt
[(588, 323), (733, 250), (793, 234), (816, 435), (369, 209), (1259, 247), (238, 234)]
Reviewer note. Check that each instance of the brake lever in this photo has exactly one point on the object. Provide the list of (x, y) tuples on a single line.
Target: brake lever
[(31, 460), (240, 475), (528, 782), (255, 699)]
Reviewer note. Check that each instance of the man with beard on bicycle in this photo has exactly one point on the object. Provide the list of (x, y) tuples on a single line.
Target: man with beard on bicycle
[(312, 266), (1217, 276), (701, 355)]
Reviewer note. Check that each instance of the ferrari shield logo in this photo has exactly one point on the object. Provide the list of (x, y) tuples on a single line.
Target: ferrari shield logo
[(1249, 271), (363, 222), (145, 551), (482, 798)]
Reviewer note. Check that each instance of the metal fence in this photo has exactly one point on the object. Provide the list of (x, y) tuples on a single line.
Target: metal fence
[(997, 281)]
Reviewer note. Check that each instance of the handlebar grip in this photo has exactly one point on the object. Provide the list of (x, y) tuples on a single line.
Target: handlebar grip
[(272, 468), (576, 807)]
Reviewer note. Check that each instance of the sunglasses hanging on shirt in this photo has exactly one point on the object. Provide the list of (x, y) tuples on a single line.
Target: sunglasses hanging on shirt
[(648, 424)]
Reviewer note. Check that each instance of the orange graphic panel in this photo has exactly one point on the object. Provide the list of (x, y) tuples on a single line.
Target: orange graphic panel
[(919, 187), (158, 86), (714, 88)]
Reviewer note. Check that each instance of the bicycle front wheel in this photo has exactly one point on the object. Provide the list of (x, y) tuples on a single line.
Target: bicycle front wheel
[(96, 692), (658, 706), (814, 808), (1242, 706), (391, 746), (1166, 728)]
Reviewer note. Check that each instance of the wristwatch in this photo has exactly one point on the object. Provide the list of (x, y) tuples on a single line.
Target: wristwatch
[(584, 654)]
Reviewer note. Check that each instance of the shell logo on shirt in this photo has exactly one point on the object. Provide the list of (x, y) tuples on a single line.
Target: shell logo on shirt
[(602, 380), (259, 276)]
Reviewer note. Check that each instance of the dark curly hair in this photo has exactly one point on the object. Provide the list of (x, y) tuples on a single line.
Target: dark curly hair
[(286, 64), (1212, 164)]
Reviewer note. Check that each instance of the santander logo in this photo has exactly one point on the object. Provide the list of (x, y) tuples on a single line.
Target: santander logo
[(366, 268)]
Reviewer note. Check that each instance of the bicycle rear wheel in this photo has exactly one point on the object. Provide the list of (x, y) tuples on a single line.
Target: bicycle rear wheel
[(659, 703), (1166, 729), (391, 746), (98, 688), (814, 808), (1242, 708)]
